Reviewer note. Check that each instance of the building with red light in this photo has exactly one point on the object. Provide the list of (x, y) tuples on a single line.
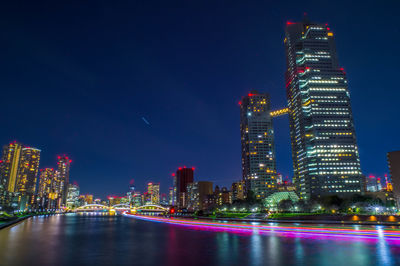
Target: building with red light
[(257, 140), (324, 147), (184, 176)]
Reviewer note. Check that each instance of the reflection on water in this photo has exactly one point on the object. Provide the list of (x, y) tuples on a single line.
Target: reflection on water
[(88, 239)]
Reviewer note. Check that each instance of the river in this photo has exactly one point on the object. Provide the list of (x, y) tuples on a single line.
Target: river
[(74, 239)]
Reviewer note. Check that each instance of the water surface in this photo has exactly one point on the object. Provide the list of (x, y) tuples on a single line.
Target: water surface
[(116, 240)]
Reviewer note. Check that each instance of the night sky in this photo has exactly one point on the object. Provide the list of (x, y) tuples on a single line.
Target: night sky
[(78, 79)]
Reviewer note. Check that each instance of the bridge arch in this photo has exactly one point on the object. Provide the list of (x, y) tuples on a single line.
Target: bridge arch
[(151, 208), (93, 207), (121, 206)]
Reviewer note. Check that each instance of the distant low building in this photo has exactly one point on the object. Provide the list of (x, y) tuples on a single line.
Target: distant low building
[(286, 186), (387, 197), (238, 190), (88, 199), (223, 196), (137, 199), (197, 195)]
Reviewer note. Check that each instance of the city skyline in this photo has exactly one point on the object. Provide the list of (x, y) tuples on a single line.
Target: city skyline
[(111, 153)]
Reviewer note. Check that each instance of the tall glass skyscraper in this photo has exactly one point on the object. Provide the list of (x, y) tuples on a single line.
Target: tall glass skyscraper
[(324, 148), (257, 137)]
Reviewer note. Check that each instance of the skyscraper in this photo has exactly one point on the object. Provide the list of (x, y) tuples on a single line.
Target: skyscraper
[(184, 176), (73, 196), (45, 191), (393, 158), (173, 195), (153, 189), (257, 138), (11, 158), (324, 149), (27, 176), (63, 168), (19, 168)]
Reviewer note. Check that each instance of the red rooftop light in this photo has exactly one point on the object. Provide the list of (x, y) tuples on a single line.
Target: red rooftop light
[(290, 23)]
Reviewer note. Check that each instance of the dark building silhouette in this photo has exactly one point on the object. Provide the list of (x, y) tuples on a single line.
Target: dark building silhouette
[(394, 168), (184, 176)]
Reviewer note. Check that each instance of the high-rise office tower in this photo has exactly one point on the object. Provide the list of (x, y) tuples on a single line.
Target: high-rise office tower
[(257, 137), (63, 168), (27, 176), (184, 176), (324, 148), (393, 158), (73, 196)]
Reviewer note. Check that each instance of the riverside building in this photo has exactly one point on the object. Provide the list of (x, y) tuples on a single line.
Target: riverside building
[(324, 148), (257, 139)]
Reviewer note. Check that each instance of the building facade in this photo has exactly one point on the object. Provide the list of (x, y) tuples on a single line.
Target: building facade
[(153, 190), (197, 195), (394, 168), (257, 139), (27, 177), (46, 193), (184, 176), (73, 196), (324, 149), (18, 175), (238, 191), (63, 169)]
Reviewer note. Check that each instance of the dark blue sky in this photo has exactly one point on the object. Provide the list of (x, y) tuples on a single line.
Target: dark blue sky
[(77, 79)]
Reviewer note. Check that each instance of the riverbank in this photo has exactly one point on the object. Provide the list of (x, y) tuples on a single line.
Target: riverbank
[(13, 221)]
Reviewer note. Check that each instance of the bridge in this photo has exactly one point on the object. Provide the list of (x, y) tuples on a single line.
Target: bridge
[(121, 207), (150, 208), (92, 208)]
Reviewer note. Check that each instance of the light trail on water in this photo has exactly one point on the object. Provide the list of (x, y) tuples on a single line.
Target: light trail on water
[(390, 234)]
